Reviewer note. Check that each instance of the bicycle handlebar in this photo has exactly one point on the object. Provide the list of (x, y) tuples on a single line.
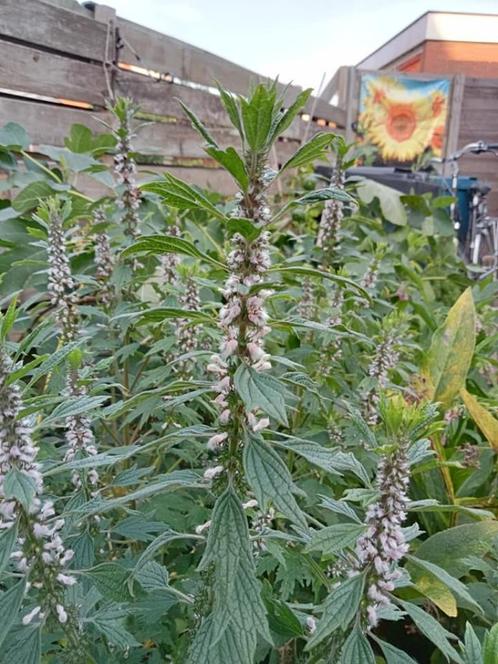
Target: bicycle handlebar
[(475, 148)]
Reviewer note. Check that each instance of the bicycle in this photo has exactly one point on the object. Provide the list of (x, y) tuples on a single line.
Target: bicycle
[(479, 239)]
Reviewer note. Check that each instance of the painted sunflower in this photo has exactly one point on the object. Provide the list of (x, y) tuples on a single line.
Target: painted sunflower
[(401, 122)]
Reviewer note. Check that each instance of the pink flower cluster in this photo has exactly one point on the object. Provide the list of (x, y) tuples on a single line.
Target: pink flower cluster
[(383, 545), (169, 262), (103, 260), (60, 281), (79, 435), (332, 216), (125, 171), (39, 542), (187, 336), (386, 358), (243, 320)]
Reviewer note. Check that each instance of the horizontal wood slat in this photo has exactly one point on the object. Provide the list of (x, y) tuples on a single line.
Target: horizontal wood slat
[(29, 70), (45, 123), (160, 97), (42, 24)]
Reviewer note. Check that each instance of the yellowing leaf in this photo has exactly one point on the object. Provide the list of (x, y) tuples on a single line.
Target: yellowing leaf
[(449, 357), (438, 593), (482, 417)]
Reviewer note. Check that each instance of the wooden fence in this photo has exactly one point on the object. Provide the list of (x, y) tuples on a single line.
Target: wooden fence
[(59, 64), (473, 116)]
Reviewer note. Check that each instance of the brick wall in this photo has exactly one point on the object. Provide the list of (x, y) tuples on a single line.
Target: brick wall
[(480, 60)]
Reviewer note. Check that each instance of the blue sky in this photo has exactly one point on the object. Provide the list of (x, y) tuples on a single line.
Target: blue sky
[(297, 39)]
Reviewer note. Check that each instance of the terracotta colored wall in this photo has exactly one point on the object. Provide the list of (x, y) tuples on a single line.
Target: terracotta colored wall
[(480, 60)]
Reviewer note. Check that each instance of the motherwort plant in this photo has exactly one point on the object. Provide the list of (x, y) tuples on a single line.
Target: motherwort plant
[(369, 577), (39, 552), (245, 395), (125, 168), (61, 288)]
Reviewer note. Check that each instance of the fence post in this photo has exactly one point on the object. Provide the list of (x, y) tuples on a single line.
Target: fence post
[(455, 111)]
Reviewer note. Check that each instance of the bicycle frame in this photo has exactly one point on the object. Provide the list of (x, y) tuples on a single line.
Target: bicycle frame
[(481, 227)]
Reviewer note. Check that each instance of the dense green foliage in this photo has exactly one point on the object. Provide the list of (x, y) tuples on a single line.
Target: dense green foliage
[(239, 431)]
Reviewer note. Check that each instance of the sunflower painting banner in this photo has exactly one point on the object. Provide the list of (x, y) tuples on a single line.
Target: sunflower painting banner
[(401, 116)]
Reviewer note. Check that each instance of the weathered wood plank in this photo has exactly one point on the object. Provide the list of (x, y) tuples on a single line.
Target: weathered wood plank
[(27, 69), (169, 55), (166, 54), (481, 83), (160, 98), (43, 24), (454, 117), (45, 123)]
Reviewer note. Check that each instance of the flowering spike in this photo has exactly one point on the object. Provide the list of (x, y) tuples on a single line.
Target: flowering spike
[(40, 550), (103, 260), (61, 284), (125, 168)]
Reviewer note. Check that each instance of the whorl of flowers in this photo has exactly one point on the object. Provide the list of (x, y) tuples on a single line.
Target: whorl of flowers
[(383, 545), (386, 357), (332, 216), (79, 436), (243, 318), (125, 169), (336, 304), (104, 261), (60, 281), (306, 306), (169, 262), (187, 335), (40, 550), (371, 276)]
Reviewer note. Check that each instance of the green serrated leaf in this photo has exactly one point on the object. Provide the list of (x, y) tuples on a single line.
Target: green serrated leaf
[(357, 649), (31, 196), (259, 390), (245, 227), (165, 313), (490, 650), (244, 605), (10, 603), (198, 125), (449, 548), (313, 452), (302, 271), (228, 535), (339, 609), (8, 539), (181, 195), (111, 581), (290, 113), (19, 486), (271, 480), (257, 115), (430, 628), (73, 406), (23, 646), (315, 148), (332, 539), (455, 586), (231, 160), (152, 576), (163, 244), (325, 194), (53, 360), (473, 649), (8, 319)]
